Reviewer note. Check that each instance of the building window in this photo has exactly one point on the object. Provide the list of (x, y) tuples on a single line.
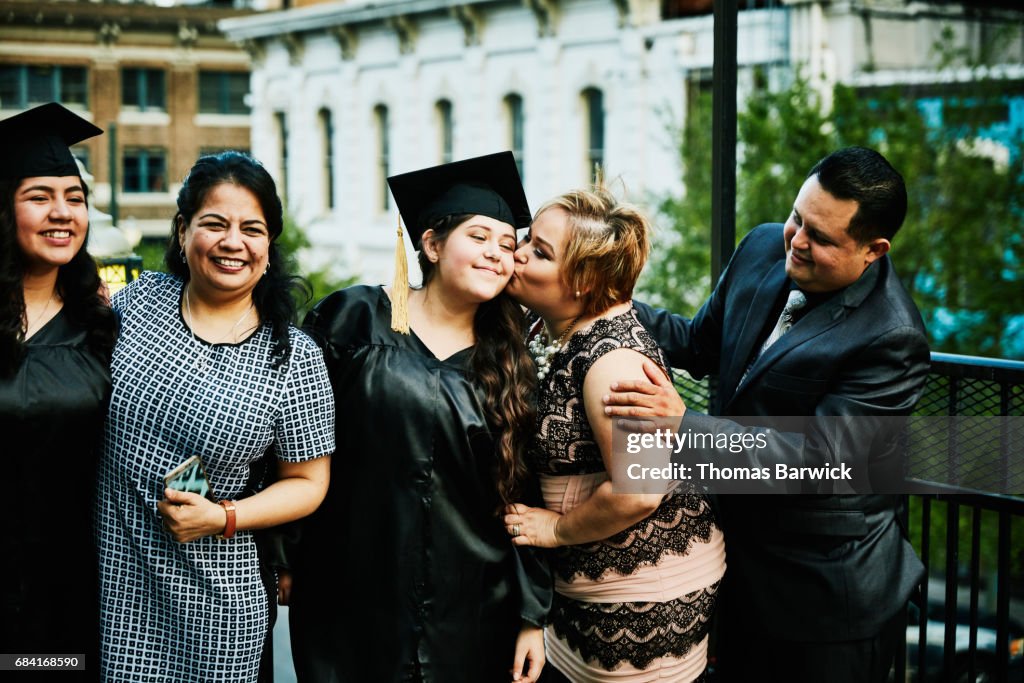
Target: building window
[(145, 170), (514, 136), (380, 117), (445, 130), (143, 90), (23, 86), (10, 79), (223, 92), (327, 146), (593, 106), (282, 149)]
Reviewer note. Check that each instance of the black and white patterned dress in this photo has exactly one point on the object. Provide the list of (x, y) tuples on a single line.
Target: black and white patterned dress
[(193, 611)]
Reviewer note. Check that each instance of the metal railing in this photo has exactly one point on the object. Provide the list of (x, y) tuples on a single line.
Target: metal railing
[(969, 386), (958, 386), (955, 659)]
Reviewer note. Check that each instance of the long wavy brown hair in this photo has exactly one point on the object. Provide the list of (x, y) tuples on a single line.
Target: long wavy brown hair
[(504, 370)]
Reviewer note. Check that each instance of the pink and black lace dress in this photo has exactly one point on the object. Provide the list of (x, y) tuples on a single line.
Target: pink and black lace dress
[(636, 606)]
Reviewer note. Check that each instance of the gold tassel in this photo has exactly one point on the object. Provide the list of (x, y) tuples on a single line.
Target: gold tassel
[(400, 287), (598, 177)]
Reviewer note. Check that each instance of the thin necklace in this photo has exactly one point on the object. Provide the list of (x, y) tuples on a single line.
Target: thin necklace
[(205, 351), (542, 354), (41, 320)]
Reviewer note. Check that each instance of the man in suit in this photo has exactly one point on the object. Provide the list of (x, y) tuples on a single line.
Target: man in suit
[(817, 585)]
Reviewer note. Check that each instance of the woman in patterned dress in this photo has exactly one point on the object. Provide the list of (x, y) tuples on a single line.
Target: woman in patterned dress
[(635, 574), (207, 364)]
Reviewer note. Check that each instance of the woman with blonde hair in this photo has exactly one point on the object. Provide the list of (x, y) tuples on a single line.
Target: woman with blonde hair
[(635, 574)]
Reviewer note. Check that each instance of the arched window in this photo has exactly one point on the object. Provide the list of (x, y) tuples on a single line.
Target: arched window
[(514, 128), (383, 144), (445, 131), (327, 150), (593, 112), (281, 121), (380, 117)]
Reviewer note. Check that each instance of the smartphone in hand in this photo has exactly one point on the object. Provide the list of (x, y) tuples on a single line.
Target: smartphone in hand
[(191, 477)]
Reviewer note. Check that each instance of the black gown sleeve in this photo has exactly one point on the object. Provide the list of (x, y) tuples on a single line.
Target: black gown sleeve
[(533, 572), (535, 585), (330, 324)]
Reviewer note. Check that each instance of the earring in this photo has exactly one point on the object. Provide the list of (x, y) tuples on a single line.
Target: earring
[(267, 269), (577, 294), (182, 254)]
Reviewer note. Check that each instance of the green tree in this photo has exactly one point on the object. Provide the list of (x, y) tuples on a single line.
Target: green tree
[(678, 276), (321, 281), (959, 251), (781, 136)]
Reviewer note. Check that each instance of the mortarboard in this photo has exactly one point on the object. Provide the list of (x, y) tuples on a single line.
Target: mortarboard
[(484, 186), (37, 142)]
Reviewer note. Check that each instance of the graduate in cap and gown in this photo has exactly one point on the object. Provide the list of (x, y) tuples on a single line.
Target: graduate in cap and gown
[(56, 336), (406, 572)]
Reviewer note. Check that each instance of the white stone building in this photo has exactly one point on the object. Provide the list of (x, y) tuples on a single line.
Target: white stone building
[(346, 93)]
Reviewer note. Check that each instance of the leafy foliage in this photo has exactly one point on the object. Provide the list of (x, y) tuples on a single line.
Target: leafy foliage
[(782, 135), (293, 240), (677, 276), (152, 252), (959, 251)]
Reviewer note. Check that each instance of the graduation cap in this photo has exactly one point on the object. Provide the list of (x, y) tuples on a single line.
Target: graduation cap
[(37, 142), (484, 186)]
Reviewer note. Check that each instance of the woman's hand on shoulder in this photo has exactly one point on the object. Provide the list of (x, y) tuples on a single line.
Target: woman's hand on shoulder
[(188, 516)]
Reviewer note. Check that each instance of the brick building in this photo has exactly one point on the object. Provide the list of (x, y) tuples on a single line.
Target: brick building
[(165, 77)]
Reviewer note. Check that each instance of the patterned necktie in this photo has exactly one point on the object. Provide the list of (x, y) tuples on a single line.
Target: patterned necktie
[(794, 303)]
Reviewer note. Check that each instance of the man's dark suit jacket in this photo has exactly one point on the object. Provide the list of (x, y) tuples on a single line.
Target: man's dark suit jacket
[(807, 567)]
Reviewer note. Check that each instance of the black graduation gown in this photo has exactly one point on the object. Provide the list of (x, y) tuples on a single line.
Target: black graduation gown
[(51, 414), (406, 567)]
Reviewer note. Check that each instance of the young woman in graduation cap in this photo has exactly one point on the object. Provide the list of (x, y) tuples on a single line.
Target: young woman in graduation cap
[(208, 365), (56, 334), (406, 572)]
